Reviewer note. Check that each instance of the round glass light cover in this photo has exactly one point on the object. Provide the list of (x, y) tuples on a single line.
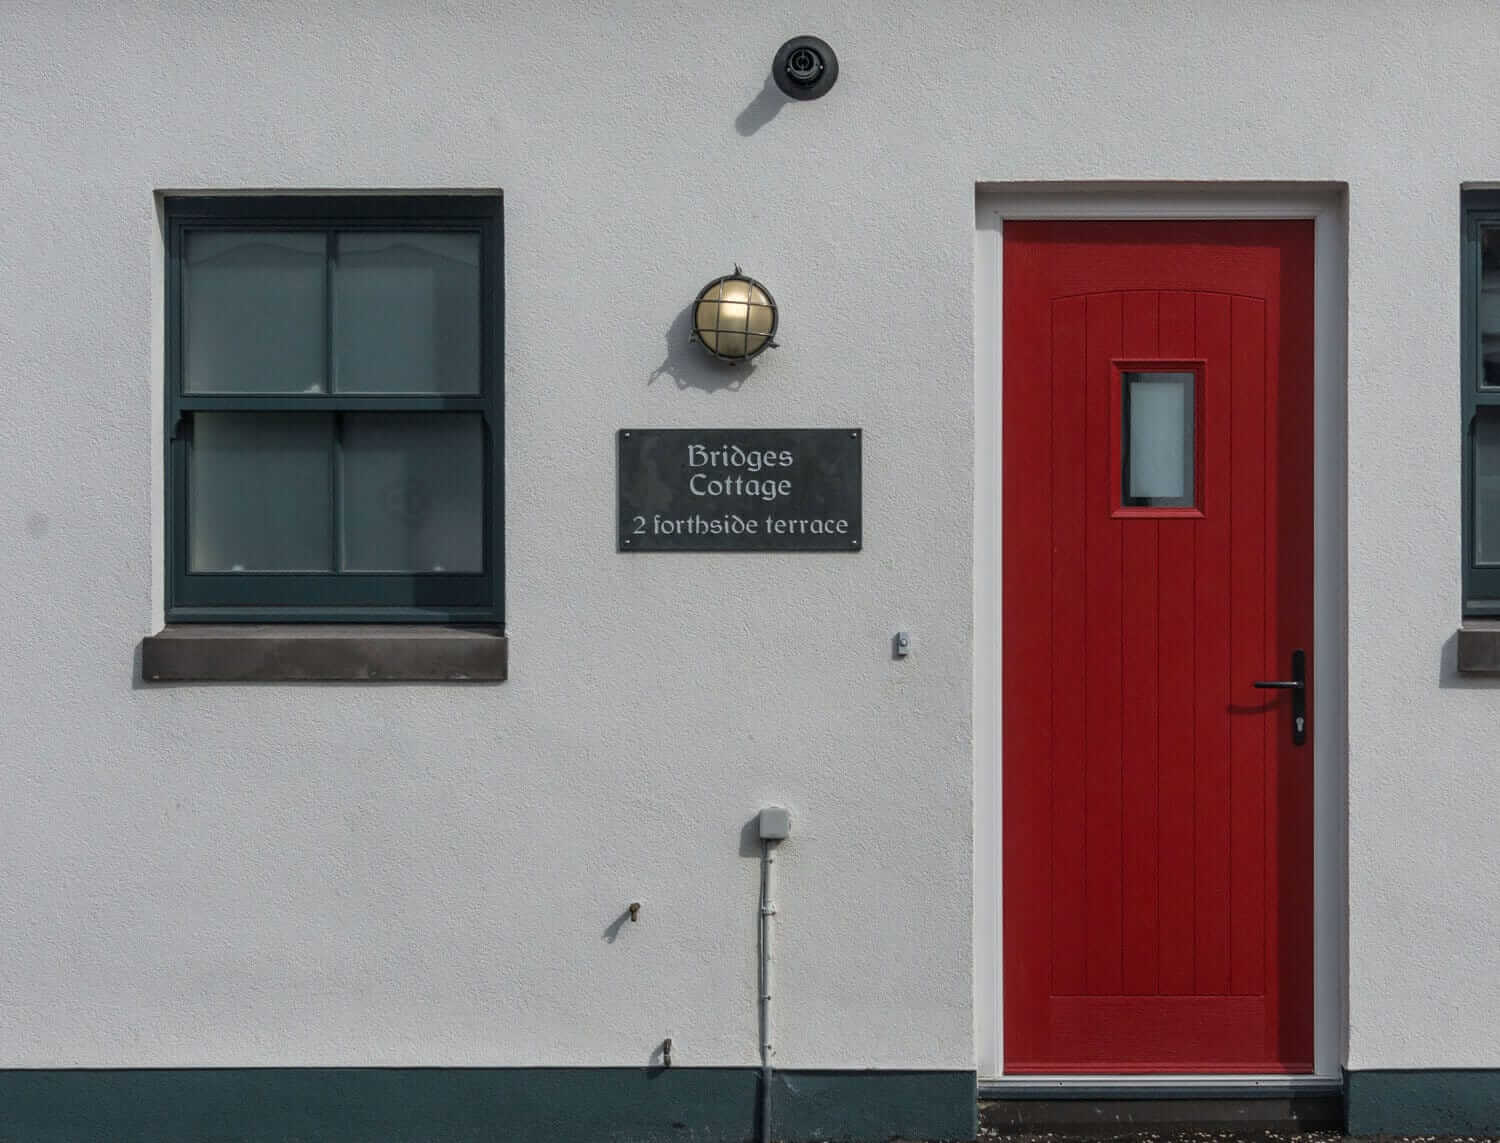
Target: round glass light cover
[(734, 318)]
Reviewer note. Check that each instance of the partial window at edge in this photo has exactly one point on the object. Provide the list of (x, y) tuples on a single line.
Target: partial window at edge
[(1489, 307)]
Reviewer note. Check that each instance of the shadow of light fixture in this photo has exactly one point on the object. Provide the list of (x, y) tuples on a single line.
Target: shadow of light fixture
[(735, 318)]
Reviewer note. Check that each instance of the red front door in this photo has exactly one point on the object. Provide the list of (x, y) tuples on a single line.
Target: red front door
[(1158, 561)]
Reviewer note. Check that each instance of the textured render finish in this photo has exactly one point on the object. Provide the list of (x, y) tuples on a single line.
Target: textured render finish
[(307, 875)]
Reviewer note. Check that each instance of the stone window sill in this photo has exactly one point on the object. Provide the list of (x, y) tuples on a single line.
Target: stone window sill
[(315, 652), (1479, 647)]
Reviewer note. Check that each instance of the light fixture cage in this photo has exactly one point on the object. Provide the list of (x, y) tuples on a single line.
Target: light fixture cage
[(735, 318)]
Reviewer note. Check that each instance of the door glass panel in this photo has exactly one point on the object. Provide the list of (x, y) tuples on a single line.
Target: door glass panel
[(260, 492), (406, 313), (1158, 439), (413, 492), (1489, 307), (1487, 489), (253, 312)]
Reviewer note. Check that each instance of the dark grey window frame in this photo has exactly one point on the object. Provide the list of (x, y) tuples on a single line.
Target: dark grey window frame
[(1481, 585), (337, 597)]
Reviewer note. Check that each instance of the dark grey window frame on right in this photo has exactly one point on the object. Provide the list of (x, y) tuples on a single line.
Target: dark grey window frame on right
[(1480, 401), (337, 596)]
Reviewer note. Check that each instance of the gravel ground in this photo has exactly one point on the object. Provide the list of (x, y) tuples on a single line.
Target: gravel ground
[(988, 1133)]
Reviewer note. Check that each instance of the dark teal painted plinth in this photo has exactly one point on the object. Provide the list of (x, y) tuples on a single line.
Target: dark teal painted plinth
[(1428, 1102), (475, 1105)]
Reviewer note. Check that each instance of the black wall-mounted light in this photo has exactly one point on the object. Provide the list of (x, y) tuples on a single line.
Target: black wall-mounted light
[(734, 317), (805, 67)]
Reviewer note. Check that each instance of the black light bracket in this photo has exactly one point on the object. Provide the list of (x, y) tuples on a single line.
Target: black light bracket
[(805, 68)]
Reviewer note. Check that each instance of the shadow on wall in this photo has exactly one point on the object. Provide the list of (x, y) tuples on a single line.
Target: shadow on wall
[(749, 847), (612, 932), (750, 843), (690, 367), (761, 110)]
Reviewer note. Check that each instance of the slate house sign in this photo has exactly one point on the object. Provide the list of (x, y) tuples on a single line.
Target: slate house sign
[(742, 490)]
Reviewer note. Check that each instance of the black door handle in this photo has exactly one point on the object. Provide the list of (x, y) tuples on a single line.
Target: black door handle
[(1297, 684)]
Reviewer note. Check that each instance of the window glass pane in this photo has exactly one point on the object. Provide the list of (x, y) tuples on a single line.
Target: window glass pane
[(413, 492), (406, 313), (1158, 436), (1489, 306), (253, 312), (1487, 489), (260, 492)]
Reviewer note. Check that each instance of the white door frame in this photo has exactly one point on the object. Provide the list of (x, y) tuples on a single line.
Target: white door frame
[(1325, 204)]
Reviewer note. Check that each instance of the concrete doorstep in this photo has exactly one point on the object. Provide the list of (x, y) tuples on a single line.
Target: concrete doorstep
[(1227, 1136), (1302, 1119)]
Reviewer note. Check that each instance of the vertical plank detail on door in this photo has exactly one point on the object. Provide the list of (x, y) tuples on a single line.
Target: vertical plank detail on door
[(1139, 701), (1178, 671), (1102, 630), (1247, 721), (1069, 654), (1211, 787)]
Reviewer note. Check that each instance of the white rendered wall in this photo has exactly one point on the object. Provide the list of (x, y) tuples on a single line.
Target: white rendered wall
[(256, 875)]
